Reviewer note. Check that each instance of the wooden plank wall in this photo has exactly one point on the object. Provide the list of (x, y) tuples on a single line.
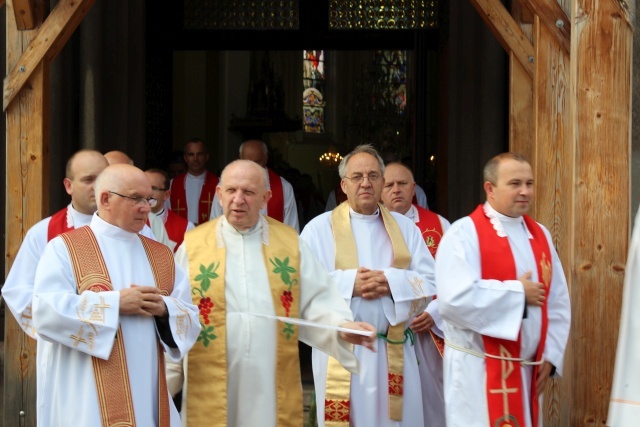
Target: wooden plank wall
[(600, 76), (27, 170), (572, 119)]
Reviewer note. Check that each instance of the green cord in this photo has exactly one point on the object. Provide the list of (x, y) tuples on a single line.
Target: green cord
[(408, 335)]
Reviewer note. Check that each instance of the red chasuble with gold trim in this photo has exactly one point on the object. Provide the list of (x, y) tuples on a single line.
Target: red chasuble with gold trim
[(275, 206), (179, 196), (58, 224), (503, 377)]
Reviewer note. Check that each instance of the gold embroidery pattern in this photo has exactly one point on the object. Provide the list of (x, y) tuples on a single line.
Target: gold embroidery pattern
[(545, 266), (183, 321), (507, 369), (417, 305), (77, 339), (396, 384), (26, 320)]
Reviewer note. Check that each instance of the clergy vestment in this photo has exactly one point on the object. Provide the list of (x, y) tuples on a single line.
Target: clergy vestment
[(175, 226), (429, 355), (76, 328), (251, 340), (624, 406), (192, 196), (289, 207), (472, 307), (369, 393)]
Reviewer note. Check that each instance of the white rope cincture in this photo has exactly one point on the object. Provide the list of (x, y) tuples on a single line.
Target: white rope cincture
[(493, 356)]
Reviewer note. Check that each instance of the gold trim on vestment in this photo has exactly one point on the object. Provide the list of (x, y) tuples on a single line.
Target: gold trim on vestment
[(337, 400), (206, 402), (111, 376)]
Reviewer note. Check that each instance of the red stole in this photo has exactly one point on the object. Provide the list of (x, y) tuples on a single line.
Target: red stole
[(275, 207), (503, 377), (430, 227), (176, 226), (179, 196), (58, 224)]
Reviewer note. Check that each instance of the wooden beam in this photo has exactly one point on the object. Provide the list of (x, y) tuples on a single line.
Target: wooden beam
[(51, 37), (601, 89), (554, 18), (507, 31), (27, 200), (24, 12), (553, 172)]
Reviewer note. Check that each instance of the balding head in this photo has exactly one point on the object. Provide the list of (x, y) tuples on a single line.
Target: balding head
[(399, 188), (81, 172), (243, 192), (256, 151), (118, 158), (122, 192)]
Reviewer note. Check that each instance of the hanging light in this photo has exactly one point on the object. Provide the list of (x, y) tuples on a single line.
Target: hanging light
[(330, 158)]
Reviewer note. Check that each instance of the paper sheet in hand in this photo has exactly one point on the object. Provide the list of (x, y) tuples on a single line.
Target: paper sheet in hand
[(302, 322)]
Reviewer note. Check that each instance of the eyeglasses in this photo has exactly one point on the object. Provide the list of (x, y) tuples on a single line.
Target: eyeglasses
[(138, 201), (159, 189), (359, 178)]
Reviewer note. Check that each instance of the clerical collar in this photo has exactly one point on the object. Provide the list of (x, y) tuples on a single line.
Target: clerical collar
[(77, 219), (413, 214), (101, 226), (260, 225), (500, 221), (163, 214), (364, 217)]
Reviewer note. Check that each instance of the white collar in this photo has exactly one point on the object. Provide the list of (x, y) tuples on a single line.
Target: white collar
[(497, 219)]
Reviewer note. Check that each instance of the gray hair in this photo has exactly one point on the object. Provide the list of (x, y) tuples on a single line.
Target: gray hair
[(364, 148)]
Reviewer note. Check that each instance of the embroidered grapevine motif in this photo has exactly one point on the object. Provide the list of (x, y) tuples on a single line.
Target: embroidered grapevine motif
[(205, 305), (283, 268)]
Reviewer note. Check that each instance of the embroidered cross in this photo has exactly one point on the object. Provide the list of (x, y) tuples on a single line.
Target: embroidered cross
[(26, 320), (78, 338), (178, 209), (101, 308), (207, 202), (507, 370)]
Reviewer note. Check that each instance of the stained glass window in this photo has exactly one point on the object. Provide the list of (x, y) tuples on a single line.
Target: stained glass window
[(313, 101), (392, 66)]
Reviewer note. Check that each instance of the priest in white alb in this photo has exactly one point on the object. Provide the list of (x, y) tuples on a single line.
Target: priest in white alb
[(109, 305), (384, 271), (397, 196), (504, 299), (245, 269)]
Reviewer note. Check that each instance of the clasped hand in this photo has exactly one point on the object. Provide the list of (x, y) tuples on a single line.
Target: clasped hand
[(143, 301), (370, 284)]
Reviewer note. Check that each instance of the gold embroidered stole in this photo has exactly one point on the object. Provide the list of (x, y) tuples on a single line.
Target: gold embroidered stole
[(337, 400), (112, 376), (207, 366)]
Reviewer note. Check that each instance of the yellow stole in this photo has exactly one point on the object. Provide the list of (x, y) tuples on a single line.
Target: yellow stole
[(207, 365), (337, 402), (112, 376)]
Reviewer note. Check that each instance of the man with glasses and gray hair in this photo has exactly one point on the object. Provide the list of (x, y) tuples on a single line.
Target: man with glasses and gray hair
[(109, 305), (384, 271)]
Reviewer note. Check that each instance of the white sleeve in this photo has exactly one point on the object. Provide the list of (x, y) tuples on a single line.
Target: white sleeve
[(216, 207), (290, 207)]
